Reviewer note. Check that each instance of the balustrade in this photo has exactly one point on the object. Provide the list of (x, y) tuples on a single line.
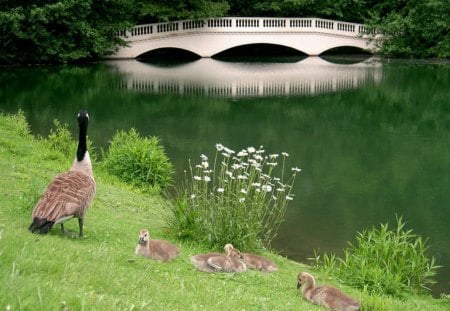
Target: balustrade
[(167, 27), (193, 24), (274, 23), (324, 24), (300, 23), (220, 22), (346, 27), (259, 24), (247, 22)]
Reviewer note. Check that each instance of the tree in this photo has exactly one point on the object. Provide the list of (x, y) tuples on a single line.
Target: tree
[(413, 28), (168, 10), (61, 31)]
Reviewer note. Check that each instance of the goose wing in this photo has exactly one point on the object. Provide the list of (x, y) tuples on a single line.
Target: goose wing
[(68, 194)]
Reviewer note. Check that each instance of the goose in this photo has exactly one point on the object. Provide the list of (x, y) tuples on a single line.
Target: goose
[(70, 193), (259, 263), (327, 296), (155, 249), (232, 261)]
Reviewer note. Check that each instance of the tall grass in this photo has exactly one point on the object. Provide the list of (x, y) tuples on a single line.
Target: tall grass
[(235, 199), (384, 261)]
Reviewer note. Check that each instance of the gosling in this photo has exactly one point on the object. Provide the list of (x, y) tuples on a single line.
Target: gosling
[(259, 263), (217, 262), (327, 296), (155, 249)]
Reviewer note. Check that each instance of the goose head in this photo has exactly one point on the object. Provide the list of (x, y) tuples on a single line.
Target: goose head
[(143, 237), (83, 117), (304, 278)]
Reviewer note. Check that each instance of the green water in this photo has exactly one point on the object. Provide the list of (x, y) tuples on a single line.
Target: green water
[(372, 139)]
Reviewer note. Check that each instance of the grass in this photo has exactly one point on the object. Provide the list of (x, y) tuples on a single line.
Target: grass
[(100, 271)]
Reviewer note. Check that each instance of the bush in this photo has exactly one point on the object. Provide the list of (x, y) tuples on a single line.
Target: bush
[(138, 160), (60, 139), (238, 200), (384, 262)]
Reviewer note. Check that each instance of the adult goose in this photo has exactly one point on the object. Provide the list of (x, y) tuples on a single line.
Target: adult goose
[(69, 194), (327, 296), (155, 249)]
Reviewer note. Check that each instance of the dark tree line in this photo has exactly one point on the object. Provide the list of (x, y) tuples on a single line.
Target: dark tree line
[(51, 31)]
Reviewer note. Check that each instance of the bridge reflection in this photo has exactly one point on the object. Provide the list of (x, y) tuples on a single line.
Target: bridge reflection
[(210, 77)]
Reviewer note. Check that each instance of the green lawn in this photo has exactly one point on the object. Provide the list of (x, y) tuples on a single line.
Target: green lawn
[(101, 272)]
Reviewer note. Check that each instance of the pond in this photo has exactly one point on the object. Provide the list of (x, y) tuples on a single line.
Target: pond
[(372, 138)]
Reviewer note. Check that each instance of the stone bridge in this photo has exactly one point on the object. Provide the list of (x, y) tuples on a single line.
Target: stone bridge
[(209, 37)]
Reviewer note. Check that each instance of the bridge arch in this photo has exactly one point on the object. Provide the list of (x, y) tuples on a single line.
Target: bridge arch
[(260, 50), (207, 38), (169, 53)]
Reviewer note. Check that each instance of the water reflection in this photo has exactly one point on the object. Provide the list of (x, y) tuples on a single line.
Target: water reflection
[(310, 76)]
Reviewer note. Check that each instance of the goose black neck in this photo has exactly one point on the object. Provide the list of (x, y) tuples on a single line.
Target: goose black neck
[(82, 146)]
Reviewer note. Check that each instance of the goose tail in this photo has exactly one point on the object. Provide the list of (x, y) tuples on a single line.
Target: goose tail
[(40, 225)]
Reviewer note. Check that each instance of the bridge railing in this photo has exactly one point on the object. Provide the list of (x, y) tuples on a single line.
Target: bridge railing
[(244, 24)]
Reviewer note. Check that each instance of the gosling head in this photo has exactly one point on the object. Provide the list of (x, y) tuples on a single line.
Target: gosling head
[(143, 237), (303, 278), (233, 252)]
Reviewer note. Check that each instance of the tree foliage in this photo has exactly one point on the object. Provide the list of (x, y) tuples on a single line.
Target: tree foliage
[(52, 31), (60, 31), (162, 11), (413, 28)]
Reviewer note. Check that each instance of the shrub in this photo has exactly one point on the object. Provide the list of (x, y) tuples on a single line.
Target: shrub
[(385, 262), (20, 123), (60, 139), (236, 200), (138, 160)]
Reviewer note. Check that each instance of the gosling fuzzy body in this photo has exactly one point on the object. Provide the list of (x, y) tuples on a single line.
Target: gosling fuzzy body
[(155, 249), (259, 263), (230, 262), (327, 296), (69, 194)]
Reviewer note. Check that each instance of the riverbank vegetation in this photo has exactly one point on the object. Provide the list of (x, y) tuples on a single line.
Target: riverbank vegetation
[(78, 31), (238, 197), (384, 261), (100, 271)]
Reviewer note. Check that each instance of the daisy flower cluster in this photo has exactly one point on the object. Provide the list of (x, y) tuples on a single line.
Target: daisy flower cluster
[(241, 196)]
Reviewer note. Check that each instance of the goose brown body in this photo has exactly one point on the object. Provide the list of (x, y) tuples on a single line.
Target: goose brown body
[(69, 194), (259, 263), (230, 262), (327, 296), (155, 249)]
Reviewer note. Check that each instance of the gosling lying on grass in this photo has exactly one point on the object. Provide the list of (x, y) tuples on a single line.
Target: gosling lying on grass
[(327, 296), (259, 263), (155, 249), (232, 261)]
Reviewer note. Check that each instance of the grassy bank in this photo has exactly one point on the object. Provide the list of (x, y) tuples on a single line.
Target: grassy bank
[(100, 271)]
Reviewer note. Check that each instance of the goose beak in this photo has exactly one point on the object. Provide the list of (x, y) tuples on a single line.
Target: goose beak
[(141, 241), (298, 285)]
